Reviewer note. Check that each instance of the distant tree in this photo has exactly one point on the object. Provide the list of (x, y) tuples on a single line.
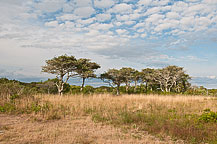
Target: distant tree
[(137, 76), (48, 85), (169, 77), (183, 83), (127, 74), (63, 67), (147, 76), (86, 69), (113, 77)]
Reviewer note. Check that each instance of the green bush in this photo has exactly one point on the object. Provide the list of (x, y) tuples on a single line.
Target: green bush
[(208, 116), (88, 89), (74, 89)]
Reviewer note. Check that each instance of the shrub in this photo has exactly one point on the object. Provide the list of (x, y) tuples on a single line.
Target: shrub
[(208, 116)]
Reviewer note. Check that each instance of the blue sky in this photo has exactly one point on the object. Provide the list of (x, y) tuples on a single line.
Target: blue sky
[(113, 33)]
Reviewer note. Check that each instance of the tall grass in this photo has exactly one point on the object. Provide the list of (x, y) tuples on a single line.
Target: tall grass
[(177, 116)]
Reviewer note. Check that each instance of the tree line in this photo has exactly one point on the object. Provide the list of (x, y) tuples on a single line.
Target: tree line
[(168, 79)]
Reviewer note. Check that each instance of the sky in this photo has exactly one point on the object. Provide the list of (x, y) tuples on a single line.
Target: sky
[(113, 33)]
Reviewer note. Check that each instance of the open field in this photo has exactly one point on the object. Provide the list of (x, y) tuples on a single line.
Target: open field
[(108, 119)]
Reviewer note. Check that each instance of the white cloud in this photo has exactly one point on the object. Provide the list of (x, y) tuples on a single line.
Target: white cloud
[(129, 22), (187, 22), (49, 6), (162, 27), (155, 19), (143, 35), (172, 15), (192, 0), (103, 3), (179, 7), (210, 1), (134, 16), (212, 77), (86, 21), (139, 25), (153, 10), (84, 12), (140, 30), (93, 33), (161, 2), (145, 2), (67, 17), (51, 24), (103, 17), (122, 8), (122, 17), (83, 3), (101, 26), (121, 31)]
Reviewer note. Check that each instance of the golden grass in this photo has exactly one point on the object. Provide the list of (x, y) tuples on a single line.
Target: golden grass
[(79, 104), (162, 115)]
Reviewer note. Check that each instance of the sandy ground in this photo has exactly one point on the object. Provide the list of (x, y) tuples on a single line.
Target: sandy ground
[(23, 130)]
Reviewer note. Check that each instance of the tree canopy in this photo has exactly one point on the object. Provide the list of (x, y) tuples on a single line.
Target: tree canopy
[(85, 69), (65, 67)]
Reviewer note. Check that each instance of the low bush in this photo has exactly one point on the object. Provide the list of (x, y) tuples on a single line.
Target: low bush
[(208, 116)]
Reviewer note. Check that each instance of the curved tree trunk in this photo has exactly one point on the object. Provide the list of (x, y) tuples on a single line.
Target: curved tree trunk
[(82, 86)]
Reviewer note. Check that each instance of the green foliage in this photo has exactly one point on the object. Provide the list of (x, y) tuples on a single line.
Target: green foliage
[(208, 116), (103, 89), (74, 89), (88, 89), (7, 107)]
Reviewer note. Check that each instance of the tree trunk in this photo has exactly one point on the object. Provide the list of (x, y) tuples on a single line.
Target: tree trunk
[(60, 90), (118, 89), (135, 86), (48, 90), (82, 86), (146, 87), (127, 87)]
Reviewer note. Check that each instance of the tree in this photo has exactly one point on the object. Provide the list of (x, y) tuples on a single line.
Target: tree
[(113, 77), (147, 76), (86, 69), (136, 78), (127, 74), (169, 77), (48, 85), (63, 67), (183, 84)]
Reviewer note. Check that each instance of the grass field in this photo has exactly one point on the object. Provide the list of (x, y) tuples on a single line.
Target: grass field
[(179, 117)]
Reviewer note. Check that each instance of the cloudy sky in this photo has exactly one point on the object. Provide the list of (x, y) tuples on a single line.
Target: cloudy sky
[(113, 33)]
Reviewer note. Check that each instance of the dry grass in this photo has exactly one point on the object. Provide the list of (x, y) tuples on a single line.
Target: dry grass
[(176, 116), (79, 104), (21, 130)]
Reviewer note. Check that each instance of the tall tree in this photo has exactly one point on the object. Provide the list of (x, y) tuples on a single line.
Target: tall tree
[(86, 69), (169, 77), (147, 77), (113, 77), (136, 78), (63, 67), (127, 74)]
